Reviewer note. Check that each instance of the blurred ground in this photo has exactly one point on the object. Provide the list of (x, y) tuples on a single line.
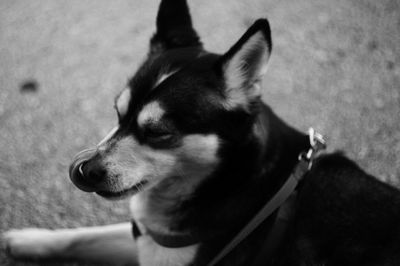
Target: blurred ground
[(335, 66)]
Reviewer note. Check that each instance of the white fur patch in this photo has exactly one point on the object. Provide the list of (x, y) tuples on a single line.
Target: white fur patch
[(108, 136), (152, 254), (35, 243), (150, 112), (201, 149), (111, 244), (122, 102), (164, 77)]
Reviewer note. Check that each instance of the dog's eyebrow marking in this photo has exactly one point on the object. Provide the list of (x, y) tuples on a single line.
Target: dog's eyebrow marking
[(151, 112), (164, 76), (122, 102)]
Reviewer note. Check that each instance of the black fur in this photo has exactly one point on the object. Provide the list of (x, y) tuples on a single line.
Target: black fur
[(174, 28)]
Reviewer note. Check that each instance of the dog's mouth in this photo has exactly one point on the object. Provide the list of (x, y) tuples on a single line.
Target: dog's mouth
[(123, 193), (79, 179)]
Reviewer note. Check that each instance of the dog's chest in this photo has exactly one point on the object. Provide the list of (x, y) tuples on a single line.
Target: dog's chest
[(145, 212), (150, 253)]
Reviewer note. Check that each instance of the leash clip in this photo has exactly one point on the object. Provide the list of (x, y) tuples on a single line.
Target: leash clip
[(317, 143)]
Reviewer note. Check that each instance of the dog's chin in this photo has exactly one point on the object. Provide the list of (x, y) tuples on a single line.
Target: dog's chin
[(125, 193)]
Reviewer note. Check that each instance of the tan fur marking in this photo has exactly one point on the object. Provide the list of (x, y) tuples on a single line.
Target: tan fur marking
[(150, 112), (200, 148), (122, 103), (164, 77)]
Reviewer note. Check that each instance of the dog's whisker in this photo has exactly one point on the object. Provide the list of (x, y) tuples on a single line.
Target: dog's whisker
[(137, 186)]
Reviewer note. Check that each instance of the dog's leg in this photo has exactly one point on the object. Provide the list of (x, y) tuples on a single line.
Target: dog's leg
[(103, 244)]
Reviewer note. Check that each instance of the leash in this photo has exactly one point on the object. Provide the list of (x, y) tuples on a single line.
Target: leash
[(168, 241), (317, 144)]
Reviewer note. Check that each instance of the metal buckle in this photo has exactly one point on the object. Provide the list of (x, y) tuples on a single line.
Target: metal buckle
[(317, 143)]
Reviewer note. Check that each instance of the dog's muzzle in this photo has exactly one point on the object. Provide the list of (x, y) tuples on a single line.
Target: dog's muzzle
[(76, 173)]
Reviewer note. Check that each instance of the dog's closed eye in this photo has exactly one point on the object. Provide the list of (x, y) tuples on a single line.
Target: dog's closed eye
[(159, 135)]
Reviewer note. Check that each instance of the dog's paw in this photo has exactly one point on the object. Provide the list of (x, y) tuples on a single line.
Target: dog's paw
[(31, 244)]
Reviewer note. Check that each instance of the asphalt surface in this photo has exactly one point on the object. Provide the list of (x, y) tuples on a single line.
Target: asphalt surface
[(335, 66)]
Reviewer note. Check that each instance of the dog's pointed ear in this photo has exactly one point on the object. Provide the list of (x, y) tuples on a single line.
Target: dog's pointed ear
[(244, 65), (174, 28)]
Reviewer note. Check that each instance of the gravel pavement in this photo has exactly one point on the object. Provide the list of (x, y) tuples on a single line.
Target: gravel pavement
[(335, 66)]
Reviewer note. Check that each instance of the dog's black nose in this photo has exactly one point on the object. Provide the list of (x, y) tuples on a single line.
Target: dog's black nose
[(94, 171), (85, 171)]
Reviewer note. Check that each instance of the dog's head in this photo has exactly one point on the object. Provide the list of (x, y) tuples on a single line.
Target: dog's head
[(181, 114)]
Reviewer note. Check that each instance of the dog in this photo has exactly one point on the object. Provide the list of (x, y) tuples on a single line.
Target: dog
[(200, 154)]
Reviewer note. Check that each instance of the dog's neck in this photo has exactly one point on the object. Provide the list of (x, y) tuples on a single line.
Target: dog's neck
[(256, 172), (229, 198)]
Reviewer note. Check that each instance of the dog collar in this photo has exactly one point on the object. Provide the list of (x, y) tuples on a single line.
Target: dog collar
[(168, 241)]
